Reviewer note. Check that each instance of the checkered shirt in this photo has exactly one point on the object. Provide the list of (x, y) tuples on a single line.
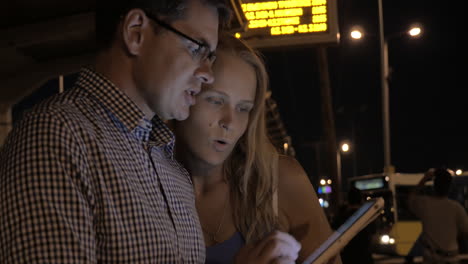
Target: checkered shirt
[(85, 178)]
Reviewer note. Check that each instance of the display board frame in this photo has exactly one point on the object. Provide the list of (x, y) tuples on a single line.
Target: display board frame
[(260, 38)]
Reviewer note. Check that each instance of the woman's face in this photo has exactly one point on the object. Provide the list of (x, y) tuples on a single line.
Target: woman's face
[(221, 113)]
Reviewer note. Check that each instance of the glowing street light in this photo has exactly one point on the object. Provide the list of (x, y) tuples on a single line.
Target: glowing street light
[(345, 147), (414, 31), (356, 34), (459, 172)]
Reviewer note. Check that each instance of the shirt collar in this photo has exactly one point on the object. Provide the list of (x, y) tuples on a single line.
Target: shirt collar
[(162, 135), (143, 130)]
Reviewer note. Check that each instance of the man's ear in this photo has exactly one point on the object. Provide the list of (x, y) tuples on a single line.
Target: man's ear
[(134, 25)]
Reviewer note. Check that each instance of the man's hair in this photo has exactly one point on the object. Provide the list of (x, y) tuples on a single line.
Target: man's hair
[(109, 14), (442, 182)]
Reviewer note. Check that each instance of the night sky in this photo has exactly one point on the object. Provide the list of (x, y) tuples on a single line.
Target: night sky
[(427, 107)]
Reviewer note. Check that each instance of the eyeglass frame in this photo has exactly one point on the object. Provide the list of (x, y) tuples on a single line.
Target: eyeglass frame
[(210, 55)]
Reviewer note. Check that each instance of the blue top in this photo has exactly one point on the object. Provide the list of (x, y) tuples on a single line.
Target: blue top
[(224, 253)]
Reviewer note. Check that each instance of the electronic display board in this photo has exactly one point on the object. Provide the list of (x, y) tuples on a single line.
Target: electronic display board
[(370, 184), (289, 22)]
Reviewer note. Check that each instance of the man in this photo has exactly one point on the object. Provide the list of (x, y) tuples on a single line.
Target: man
[(89, 176), (443, 220)]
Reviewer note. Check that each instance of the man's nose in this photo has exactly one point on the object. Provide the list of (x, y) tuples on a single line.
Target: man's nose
[(205, 72)]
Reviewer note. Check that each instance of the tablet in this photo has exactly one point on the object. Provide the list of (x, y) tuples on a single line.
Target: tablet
[(355, 223)]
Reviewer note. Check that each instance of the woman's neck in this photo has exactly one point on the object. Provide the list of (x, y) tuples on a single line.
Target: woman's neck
[(206, 180), (205, 177)]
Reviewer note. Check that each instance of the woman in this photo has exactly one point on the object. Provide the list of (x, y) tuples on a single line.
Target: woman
[(244, 189)]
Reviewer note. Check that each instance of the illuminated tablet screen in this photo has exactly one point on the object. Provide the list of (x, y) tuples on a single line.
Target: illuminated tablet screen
[(333, 245), (290, 22)]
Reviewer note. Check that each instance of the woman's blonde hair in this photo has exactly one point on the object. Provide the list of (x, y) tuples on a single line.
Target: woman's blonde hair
[(252, 167)]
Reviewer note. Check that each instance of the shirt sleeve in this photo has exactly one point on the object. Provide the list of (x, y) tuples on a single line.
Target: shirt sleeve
[(45, 204)]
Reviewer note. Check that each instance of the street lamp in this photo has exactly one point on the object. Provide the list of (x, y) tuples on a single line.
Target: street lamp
[(384, 77), (345, 147), (356, 34), (384, 74), (414, 31)]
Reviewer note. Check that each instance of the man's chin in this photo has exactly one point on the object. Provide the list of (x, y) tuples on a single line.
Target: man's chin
[(181, 116)]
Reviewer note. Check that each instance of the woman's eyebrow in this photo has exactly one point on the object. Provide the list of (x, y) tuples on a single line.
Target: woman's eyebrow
[(216, 92), (246, 102), (223, 94)]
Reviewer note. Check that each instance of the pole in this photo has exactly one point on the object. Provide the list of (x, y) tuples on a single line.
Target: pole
[(338, 165), (61, 87), (329, 127), (384, 71), (355, 144)]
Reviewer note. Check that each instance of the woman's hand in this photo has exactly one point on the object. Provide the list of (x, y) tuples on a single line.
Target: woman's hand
[(278, 248)]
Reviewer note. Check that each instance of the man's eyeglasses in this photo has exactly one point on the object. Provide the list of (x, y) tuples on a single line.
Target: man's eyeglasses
[(200, 52)]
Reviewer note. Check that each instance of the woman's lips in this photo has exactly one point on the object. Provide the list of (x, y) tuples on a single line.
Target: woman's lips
[(220, 145)]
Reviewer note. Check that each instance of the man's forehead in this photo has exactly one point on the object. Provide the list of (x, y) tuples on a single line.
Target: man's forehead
[(203, 20)]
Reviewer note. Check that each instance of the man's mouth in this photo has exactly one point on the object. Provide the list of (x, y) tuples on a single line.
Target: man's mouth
[(190, 97), (191, 92)]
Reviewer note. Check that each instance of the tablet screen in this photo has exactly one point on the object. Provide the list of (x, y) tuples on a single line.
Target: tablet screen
[(333, 245)]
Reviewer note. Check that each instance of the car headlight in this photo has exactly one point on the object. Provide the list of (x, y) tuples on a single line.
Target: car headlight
[(387, 240)]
